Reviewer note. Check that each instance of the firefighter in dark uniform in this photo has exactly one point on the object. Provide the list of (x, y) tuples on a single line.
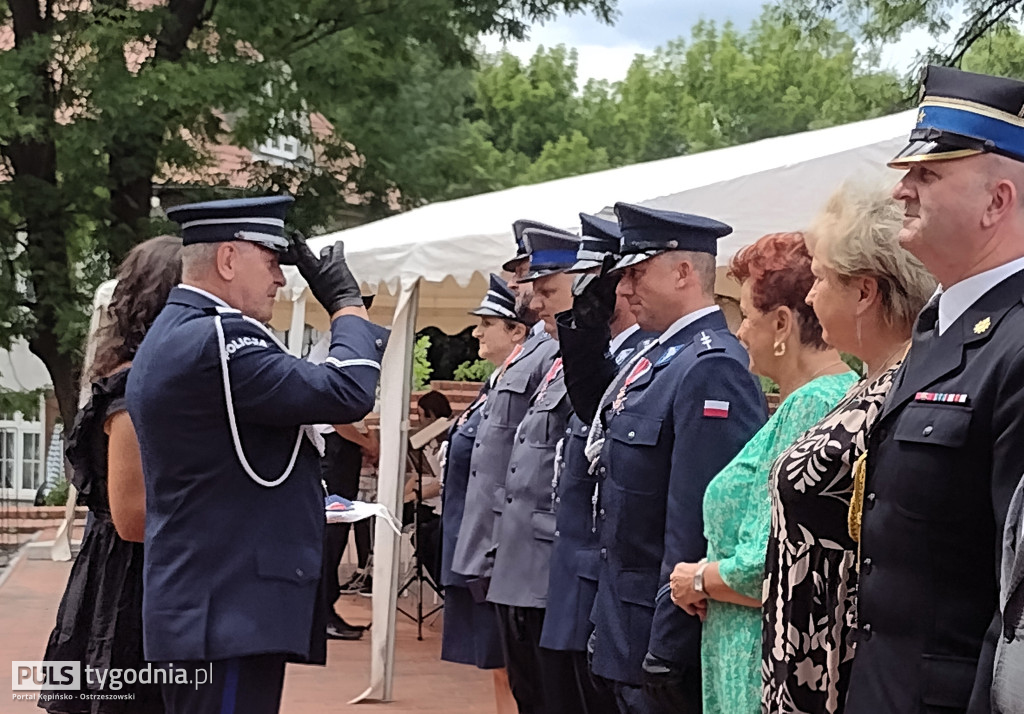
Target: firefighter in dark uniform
[(674, 415), (575, 561), (945, 454), (234, 501)]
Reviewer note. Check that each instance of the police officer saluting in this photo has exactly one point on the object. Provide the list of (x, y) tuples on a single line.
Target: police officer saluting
[(675, 414), (234, 503), (945, 454), (541, 679), (575, 557)]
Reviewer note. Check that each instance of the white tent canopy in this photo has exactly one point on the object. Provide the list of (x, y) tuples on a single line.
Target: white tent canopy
[(430, 262), (771, 185)]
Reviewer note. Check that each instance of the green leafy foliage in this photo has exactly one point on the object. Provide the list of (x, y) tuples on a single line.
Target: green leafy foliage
[(421, 369), (58, 495), (956, 27), (474, 371), (105, 104)]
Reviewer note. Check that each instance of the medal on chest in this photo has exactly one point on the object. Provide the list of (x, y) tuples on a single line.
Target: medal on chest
[(642, 367), (556, 368), (472, 408)]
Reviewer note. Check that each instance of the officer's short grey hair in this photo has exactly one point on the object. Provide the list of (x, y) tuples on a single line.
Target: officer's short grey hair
[(856, 235), (197, 260)]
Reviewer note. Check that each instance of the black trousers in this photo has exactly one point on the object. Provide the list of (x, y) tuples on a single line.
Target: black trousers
[(686, 698), (543, 681), (596, 699), (340, 468), (243, 685)]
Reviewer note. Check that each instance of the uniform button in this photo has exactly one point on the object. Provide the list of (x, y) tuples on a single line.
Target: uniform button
[(865, 566), (379, 342), (869, 500), (604, 554), (476, 445), (883, 433), (602, 513), (865, 632), (631, 434), (556, 534), (508, 499), (602, 470), (568, 431), (927, 430), (585, 429), (298, 571), (522, 439), (558, 499), (473, 472), (513, 469)]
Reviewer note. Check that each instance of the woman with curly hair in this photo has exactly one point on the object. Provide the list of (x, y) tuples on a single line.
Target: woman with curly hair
[(99, 621), (783, 338)]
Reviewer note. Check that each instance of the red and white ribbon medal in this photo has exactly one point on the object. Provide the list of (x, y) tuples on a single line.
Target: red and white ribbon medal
[(642, 367), (556, 367)]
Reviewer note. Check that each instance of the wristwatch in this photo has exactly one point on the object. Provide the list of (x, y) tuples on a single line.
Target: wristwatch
[(698, 577)]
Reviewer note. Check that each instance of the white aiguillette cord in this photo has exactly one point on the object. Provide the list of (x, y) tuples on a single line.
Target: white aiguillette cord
[(221, 344)]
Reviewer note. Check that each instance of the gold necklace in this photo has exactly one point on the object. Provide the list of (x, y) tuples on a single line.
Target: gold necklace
[(889, 361)]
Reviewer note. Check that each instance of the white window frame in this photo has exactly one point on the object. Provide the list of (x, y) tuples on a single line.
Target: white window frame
[(20, 427)]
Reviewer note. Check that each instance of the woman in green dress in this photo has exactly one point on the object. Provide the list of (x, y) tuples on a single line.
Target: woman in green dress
[(785, 344)]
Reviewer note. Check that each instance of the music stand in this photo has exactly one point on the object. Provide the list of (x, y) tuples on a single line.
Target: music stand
[(419, 576)]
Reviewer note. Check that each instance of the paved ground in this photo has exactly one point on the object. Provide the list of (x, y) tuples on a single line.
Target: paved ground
[(28, 605)]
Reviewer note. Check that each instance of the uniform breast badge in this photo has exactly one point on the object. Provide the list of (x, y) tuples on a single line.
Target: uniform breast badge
[(981, 326), (641, 368)]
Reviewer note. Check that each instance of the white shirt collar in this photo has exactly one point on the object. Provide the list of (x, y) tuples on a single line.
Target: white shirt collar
[(684, 321), (204, 293), (956, 299), (617, 341)]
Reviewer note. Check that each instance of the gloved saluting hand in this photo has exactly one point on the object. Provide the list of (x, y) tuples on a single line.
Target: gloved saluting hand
[(328, 276), (594, 297)]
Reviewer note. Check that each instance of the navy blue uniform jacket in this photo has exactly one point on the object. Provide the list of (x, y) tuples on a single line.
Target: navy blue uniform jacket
[(663, 445), (232, 566)]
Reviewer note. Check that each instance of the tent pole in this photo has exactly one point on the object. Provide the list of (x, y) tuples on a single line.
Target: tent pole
[(396, 383), (297, 328)]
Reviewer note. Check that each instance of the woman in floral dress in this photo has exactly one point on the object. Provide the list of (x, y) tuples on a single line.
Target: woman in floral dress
[(867, 293)]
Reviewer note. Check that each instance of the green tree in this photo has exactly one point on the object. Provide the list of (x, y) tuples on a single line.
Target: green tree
[(100, 100), (881, 21)]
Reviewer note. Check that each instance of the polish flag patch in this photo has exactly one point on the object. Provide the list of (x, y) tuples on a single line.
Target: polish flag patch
[(715, 409)]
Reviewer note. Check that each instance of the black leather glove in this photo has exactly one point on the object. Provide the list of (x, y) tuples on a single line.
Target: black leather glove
[(328, 276), (675, 690), (594, 298)]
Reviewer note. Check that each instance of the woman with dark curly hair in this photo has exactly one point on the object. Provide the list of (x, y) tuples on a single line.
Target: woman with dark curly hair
[(99, 621)]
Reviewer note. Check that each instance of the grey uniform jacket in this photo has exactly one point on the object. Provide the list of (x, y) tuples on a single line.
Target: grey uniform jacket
[(525, 530), (1008, 674), (485, 494)]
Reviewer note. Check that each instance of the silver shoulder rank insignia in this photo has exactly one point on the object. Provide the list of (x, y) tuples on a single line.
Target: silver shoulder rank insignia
[(982, 325)]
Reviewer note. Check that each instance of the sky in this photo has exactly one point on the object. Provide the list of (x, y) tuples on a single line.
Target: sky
[(605, 52)]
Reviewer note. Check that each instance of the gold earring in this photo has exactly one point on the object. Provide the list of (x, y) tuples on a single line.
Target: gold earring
[(780, 349)]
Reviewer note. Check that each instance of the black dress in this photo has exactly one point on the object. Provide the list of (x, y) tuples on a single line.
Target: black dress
[(99, 621)]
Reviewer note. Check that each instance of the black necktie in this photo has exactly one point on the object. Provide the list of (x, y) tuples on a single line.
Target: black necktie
[(925, 329), (928, 320)]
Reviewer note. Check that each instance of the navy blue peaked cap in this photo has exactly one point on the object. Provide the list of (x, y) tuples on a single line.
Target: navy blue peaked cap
[(519, 229), (964, 114), (601, 237), (498, 302), (646, 232), (551, 251), (257, 220)]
